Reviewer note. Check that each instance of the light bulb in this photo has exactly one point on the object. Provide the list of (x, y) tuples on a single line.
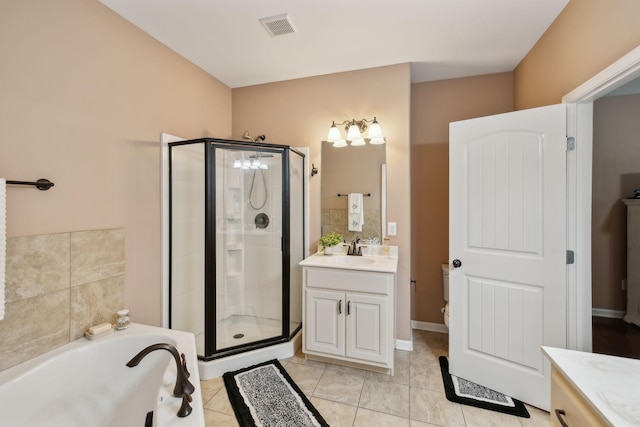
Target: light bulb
[(237, 164), (255, 164), (354, 132), (375, 131), (334, 133), (377, 141), (246, 164), (358, 141)]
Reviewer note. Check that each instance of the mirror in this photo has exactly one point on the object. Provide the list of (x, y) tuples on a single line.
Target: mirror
[(352, 170)]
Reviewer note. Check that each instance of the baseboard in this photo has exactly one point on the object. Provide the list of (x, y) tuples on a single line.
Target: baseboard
[(428, 326), (406, 345), (605, 312)]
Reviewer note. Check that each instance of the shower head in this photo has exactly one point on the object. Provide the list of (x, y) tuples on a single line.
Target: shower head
[(247, 135)]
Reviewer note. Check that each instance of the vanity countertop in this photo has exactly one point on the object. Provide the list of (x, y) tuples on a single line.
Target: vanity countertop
[(377, 263), (610, 384)]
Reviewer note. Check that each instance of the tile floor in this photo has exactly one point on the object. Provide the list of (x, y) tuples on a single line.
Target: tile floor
[(414, 397)]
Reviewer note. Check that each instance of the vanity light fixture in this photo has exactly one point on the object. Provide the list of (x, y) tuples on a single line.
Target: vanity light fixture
[(354, 130)]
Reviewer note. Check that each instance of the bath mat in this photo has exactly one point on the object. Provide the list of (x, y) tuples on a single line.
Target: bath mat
[(459, 390), (265, 395)]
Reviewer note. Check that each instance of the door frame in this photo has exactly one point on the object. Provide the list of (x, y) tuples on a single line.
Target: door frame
[(579, 187)]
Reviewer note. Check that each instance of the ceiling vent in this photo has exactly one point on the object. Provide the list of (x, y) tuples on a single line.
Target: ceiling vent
[(278, 25)]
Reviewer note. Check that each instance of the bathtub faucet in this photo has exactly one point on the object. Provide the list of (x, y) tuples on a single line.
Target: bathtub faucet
[(183, 387)]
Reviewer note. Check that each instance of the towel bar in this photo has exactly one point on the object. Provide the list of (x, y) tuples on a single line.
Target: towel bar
[(42, 184)]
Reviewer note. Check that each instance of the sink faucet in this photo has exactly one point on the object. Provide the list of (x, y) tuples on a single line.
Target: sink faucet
[(354, 249), (183, 387)]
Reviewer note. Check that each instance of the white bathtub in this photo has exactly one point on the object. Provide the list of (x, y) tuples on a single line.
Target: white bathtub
[(87, 383)]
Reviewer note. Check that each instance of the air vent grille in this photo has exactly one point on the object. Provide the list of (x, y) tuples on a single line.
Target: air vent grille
[(278, 25)]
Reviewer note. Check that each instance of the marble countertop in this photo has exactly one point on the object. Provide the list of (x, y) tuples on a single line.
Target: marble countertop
[(611, 384), (378, 263)]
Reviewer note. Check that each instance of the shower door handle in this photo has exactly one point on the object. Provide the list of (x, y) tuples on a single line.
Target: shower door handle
[(340, 307)]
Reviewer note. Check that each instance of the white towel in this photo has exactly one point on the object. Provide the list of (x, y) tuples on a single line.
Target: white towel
[(356, 212), (3, 240)]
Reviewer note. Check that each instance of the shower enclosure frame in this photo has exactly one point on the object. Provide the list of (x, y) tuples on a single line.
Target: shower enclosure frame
[(210, 251)]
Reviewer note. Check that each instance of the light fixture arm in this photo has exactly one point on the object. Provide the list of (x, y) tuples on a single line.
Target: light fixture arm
[(362, 123)]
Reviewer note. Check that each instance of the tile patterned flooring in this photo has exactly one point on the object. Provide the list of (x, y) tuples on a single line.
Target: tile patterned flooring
[(414, 397)]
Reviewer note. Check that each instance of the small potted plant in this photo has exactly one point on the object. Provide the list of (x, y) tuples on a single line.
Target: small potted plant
[(331, 243)]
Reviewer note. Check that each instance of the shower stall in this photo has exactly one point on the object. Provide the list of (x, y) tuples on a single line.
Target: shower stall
[(236, 230)]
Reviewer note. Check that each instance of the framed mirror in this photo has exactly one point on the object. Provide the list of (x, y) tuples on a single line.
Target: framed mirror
[(353, 170)]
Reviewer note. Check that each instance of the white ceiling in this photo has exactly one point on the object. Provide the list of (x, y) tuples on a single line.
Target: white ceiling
[(441, 39)]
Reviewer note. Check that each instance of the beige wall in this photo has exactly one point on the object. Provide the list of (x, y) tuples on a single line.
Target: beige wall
[(586, 37), (299, 113), (84, 96), (616, 173), (433, 106)]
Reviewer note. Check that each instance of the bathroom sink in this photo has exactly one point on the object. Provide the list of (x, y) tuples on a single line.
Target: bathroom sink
[(352, 260)]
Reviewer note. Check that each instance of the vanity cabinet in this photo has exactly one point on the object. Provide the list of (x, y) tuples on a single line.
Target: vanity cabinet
[(349, 316), (633, 261), (568, 408), (591, 389)]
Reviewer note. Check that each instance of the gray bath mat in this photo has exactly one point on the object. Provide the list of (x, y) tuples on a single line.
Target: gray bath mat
[(469, 393), (265, 395)]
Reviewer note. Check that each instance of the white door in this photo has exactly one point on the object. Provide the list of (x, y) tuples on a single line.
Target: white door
[(507, 230), (366, 327), (325, 322)]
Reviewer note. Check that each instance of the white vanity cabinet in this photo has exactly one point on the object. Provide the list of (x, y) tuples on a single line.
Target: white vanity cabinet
[(349, 316)]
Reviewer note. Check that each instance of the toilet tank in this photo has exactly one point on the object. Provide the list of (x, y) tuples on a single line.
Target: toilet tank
[(445, 281)]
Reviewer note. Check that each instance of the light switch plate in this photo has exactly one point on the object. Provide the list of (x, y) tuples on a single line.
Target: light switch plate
[(392, 229)]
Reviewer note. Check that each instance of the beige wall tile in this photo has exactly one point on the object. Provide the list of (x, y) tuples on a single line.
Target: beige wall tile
[(95, 303), (34, 326), (36, 265), (96, 255)]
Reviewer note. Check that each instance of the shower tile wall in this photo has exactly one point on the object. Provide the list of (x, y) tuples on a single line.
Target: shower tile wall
[(58, 285), (263, 254), (187, 250)]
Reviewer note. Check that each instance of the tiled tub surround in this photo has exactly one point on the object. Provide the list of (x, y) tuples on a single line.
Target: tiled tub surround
[(58, 285)]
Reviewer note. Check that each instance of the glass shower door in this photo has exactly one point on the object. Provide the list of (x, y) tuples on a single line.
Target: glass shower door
[(248, 245)]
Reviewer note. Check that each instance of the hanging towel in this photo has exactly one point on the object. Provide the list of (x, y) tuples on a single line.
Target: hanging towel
[(3, 240), (356, 212)]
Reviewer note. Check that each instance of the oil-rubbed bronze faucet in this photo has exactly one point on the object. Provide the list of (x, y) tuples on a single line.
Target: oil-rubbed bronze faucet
[(183, 387), (354, 249)]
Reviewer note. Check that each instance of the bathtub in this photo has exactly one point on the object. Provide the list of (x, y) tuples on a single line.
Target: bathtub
[(87, 383)]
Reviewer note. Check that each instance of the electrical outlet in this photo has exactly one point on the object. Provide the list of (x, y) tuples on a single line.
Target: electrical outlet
[(392, 229), (624, 284)]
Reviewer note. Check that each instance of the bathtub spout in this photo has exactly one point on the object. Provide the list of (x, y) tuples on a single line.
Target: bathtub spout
[(183, 386)]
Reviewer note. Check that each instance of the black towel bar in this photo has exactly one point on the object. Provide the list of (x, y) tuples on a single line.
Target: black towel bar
[(42, 184)]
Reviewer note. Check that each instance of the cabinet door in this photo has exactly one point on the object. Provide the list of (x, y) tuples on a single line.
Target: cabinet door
[(367, 330), (325, 312)]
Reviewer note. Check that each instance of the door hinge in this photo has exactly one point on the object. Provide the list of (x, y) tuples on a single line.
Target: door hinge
[(571, 143), (571, 257)]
